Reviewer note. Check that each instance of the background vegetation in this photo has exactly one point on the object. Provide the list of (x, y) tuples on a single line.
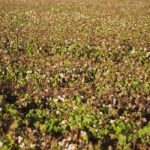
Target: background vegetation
[(75, 74)]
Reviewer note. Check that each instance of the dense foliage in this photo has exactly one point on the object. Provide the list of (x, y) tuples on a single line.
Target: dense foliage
[(75, 74)]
